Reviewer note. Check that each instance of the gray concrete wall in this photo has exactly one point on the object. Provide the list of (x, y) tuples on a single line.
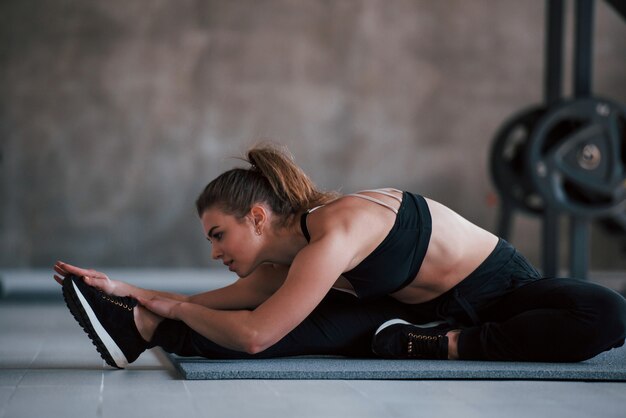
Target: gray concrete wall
[(114, 114)]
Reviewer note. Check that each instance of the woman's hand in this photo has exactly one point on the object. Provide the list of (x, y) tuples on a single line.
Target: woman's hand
[(164, 307), (92, 277)]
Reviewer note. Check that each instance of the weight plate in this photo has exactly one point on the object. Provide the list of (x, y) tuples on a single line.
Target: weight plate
[(577, 157), (507, 164)]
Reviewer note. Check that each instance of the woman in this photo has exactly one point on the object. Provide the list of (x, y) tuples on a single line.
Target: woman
[(302, 256)]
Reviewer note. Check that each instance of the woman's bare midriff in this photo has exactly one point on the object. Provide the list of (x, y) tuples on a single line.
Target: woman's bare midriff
[(456, 248)]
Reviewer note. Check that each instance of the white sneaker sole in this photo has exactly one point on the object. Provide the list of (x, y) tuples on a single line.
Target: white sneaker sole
[(403, 322), (116, 353)]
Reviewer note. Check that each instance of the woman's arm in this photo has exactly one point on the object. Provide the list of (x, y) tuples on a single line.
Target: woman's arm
[(311, 275), (245, 293), (102, 282)]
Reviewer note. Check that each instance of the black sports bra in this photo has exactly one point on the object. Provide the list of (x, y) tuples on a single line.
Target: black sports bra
[(397, 260)]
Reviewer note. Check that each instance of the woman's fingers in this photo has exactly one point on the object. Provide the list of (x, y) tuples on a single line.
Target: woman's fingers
[(58, 267), (60, 270), (91, 277), (58, 279), (65, 269)]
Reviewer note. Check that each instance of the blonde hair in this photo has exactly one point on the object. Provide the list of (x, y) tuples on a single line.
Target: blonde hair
[(273, 178)]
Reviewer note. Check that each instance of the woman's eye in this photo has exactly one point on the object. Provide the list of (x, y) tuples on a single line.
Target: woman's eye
[(218, 236)]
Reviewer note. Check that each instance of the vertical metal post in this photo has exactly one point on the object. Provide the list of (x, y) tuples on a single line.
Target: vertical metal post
[(579, 227), (553, 83), (579, 248), (582, 48), (553, 76)]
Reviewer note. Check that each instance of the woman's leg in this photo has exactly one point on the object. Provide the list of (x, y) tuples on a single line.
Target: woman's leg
[(507, 312), (548, 320), (340, 325)]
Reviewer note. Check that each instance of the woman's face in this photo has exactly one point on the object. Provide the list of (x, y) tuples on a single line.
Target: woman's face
[(233, 240)]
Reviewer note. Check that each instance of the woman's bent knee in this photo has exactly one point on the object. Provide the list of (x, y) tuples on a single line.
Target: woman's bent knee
[(599, 323), (615, 314), (610, 314)]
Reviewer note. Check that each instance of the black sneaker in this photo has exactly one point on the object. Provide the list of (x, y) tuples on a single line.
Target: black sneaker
[(399, 339), (107, 320)]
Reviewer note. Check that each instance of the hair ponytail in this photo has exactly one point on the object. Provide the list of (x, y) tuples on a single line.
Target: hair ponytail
[(273, 178)]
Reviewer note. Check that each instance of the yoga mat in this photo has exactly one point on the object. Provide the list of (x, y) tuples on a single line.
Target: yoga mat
[(607, 366)]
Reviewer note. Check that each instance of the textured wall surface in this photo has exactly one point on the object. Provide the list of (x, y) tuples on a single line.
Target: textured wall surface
[(114, 114)]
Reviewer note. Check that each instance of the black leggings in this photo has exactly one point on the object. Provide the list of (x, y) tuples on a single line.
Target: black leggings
[(504, 309)]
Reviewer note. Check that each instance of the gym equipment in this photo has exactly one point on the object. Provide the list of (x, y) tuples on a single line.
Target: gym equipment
[(566, 156), (577, 157), (508, 168), (508, 165)]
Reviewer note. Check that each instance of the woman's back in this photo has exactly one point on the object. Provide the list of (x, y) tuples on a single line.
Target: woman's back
[(437, 261), (457, 247)]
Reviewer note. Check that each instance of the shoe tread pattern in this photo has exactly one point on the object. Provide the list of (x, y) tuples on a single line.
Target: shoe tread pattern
[(75, 307)]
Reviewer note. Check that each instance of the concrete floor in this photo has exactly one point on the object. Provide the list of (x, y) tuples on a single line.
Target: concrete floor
[(49, 368)]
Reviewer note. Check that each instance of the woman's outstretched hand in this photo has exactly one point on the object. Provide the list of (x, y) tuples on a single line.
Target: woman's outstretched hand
[(92, 277)]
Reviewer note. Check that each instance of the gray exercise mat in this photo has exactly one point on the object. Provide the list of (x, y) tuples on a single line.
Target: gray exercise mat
[(609, 366)]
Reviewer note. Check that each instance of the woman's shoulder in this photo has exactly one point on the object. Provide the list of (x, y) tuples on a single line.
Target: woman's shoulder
[(353, 215), (330, 217)]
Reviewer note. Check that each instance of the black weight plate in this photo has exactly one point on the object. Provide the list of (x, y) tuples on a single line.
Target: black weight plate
[(507, 161), (577, 157)]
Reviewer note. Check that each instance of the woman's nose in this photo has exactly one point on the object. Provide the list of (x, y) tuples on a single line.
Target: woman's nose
[(215, 252)]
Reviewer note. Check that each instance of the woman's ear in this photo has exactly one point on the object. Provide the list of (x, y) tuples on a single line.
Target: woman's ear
[(258, 216)]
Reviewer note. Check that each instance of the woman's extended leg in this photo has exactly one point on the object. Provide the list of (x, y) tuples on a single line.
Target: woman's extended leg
[(548, 320), (340, 325)]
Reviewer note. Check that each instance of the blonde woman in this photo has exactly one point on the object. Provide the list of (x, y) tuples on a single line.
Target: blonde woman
[(380, 272)]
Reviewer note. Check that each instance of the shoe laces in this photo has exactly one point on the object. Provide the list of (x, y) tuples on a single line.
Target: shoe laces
[(125, 302), (420, 345)]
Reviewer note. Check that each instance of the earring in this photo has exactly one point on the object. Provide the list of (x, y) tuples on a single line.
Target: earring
[(258, 231)]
